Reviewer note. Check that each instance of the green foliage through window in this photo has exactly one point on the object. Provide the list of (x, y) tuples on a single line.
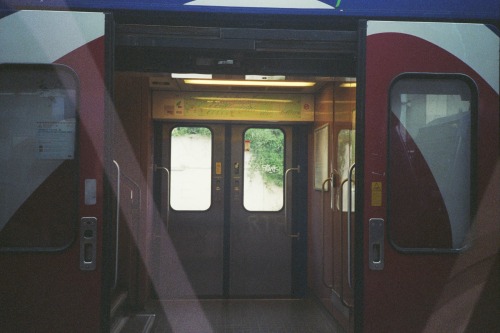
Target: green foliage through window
[(267, 146), (182, 131)]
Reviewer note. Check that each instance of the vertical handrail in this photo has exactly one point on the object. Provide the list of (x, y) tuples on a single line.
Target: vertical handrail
[(349, 212), (341, 221), (332, 204), (323, 222), (288, 226), (341, 203), (117, 238), (332, 194), (167, 219)]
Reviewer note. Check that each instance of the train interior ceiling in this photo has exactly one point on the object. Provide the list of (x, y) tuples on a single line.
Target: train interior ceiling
[(151, 65)]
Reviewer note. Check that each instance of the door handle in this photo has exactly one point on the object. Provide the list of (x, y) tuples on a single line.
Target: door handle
[(376, 244), (88, 243), (288, 222)]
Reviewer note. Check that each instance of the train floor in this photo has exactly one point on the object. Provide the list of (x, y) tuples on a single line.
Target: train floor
[(241, 316)]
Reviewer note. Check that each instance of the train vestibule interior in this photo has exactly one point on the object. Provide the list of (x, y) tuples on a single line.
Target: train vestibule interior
[(235, 167)]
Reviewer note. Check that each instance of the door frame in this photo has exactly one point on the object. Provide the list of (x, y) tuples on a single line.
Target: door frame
[(359, 174)]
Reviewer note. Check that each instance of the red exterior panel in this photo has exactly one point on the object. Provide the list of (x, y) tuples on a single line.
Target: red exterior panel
[(438, 291), (47, 291)]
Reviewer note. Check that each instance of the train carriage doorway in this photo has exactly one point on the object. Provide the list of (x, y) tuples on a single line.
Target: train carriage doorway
[(225, 198)]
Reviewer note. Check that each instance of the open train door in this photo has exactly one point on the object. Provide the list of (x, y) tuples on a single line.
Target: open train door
[(52, 125), (431, 178)]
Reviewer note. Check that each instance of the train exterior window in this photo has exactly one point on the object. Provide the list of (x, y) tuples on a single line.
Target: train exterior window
[(431, 154), (191, 168), (264, 160), (38, 161)]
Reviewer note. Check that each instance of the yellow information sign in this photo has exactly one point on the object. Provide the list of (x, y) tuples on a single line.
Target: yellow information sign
[(376, 194), (233, 106)]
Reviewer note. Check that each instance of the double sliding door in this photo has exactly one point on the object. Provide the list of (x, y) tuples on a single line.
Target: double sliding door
[(224, 226)]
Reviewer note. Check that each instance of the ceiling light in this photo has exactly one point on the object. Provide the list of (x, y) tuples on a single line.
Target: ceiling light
[(243, 99), (191, 76), (252, 83)]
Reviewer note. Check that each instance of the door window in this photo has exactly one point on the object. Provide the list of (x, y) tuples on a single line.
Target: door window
[(38, 166), (431, 128), (264, 160), (345, 160), (191, 167)]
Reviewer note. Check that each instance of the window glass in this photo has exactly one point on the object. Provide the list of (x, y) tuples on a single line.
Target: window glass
[(345, 159), (38, 167), (430, 162), (191, 168), (264, 160)]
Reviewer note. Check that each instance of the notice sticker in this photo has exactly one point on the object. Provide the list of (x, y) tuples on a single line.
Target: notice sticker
[(55, 139), (376, 194)]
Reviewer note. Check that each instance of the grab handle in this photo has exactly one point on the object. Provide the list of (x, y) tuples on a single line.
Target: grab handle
[(325, 283), (117, 238), (167, 218), (349, 213), (288, 222)]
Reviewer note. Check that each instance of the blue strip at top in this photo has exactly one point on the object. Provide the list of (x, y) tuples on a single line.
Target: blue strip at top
[(422, 9)]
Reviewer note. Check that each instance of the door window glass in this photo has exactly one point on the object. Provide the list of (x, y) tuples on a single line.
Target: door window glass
[(38, 166), (191, 168), (345, 159), (430, 154), (264, 160)]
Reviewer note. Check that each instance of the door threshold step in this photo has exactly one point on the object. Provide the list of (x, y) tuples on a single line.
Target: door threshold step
[(137, 323)]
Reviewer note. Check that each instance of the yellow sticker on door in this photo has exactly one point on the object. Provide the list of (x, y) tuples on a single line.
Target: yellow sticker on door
[(376, 194)]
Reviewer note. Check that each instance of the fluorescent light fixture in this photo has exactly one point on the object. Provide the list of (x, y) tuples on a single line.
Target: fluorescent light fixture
[(243, 99), (245, 110), (262, 83), (191, 76)]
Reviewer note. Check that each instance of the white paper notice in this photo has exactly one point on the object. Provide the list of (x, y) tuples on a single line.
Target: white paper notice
[(55, 139)]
